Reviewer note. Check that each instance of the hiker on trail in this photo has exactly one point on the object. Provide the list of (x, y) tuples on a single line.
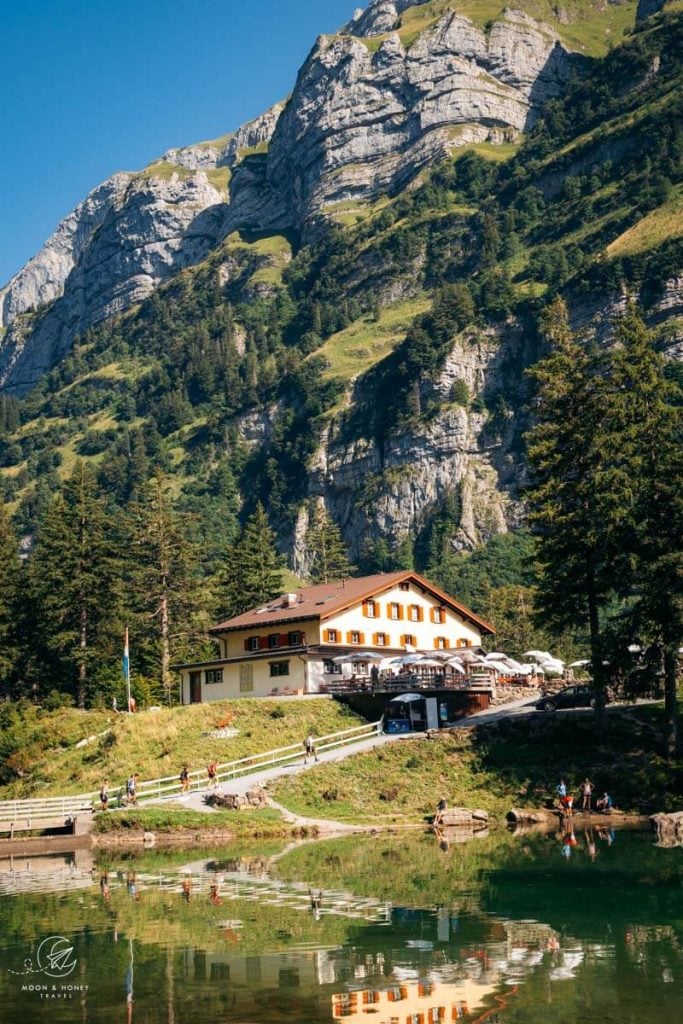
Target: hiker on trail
[(184, 779), (132, 705), (114, 705), (104, 795), (131, 789), (586, 792), (604, 804), (212, 772), (214, 895), (187, 889), (309, 749)]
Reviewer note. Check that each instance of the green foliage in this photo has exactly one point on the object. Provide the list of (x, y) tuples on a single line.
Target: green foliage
[(254, 570), (10, 587), (329, 558)]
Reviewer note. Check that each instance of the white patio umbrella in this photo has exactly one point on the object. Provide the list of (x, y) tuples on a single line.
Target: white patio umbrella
[(496, 656), (429, 663), (456, 663), (580, 664), (358, 656), (541, 655)]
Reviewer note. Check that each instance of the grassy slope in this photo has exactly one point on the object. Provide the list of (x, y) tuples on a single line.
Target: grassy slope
[(495, 767), (154, 743), (654, 229), (358, 347)]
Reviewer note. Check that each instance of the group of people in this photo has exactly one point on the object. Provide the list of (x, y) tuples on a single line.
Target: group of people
[(586, 790), (131, 792), (131, 798)]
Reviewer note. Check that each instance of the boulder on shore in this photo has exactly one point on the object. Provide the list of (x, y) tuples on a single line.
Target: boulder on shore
[(462, 816), (669, 828)]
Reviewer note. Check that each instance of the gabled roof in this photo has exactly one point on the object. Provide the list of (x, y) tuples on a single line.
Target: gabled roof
[(327, 599)]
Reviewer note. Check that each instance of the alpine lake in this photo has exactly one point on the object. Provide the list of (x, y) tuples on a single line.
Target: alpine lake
[(399, 928)]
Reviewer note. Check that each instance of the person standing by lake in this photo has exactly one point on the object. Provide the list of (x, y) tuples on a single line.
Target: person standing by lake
[(185, 779), (212, 772), (586, 793), (104, 795)]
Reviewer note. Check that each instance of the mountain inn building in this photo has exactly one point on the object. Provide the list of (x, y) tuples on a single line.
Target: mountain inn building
[(293, 644)]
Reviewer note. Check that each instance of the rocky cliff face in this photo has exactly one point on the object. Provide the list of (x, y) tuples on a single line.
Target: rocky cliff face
[(359, 123), (362, 123)]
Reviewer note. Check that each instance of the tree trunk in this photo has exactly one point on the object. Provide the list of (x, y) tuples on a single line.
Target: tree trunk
[(165, 646), (671, 700), (82, 673), (597, 665)]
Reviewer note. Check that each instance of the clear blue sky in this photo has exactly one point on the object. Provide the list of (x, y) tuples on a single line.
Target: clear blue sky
[(90, 87)]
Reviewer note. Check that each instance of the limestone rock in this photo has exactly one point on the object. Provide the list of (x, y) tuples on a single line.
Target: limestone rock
[(669, 828)]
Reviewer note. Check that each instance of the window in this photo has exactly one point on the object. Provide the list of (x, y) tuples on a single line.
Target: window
[(295, 639), (362, 668), (246, 678), (274, 640), (214, 675), (253, 643), (354, 637), (414, 613), (441, 643), (279, 668), (331, 669), (395, 610), (381, 640), (408, 639), (331, 635), (370, 609), (439, 615), (463, 643), (404, 586)]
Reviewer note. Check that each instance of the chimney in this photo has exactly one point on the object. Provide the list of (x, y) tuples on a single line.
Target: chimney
[(289, 600)]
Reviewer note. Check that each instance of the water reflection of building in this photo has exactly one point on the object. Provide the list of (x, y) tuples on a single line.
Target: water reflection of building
[(425, 1001), (296, 969)]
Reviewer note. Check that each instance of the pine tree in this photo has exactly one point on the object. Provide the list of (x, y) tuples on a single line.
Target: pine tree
[(75, 582), (329, 559), (10, 589), (643, 416), (254, 569), (171, 600), (579, 496)]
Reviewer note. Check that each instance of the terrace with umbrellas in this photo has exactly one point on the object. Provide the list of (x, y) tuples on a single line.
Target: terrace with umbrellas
[(432, 689)]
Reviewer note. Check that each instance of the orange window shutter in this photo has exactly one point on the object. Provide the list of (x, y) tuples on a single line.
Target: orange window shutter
[(400, 611), (420, 614), (348, 638), (326, 635), (365, 609), (375, 639), (361, 638), (447, 643), (432, 615)]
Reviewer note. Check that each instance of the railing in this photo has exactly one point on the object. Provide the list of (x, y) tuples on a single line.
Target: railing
[(27, 811), (170, 787), (160, 789)]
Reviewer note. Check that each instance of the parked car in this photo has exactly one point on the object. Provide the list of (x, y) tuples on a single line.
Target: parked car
[(579, 696)]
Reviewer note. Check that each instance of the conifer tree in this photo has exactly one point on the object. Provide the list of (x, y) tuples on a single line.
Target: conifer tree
[(75, 582), (10, 589), (647, 423), (171, 600), (254, 568), (579, 494), (329, 559)]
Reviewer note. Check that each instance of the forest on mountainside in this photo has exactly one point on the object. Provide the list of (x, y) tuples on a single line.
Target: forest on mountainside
[(208, 403)]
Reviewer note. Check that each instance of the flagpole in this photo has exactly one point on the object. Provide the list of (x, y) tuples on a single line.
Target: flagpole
[(126, 667)]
